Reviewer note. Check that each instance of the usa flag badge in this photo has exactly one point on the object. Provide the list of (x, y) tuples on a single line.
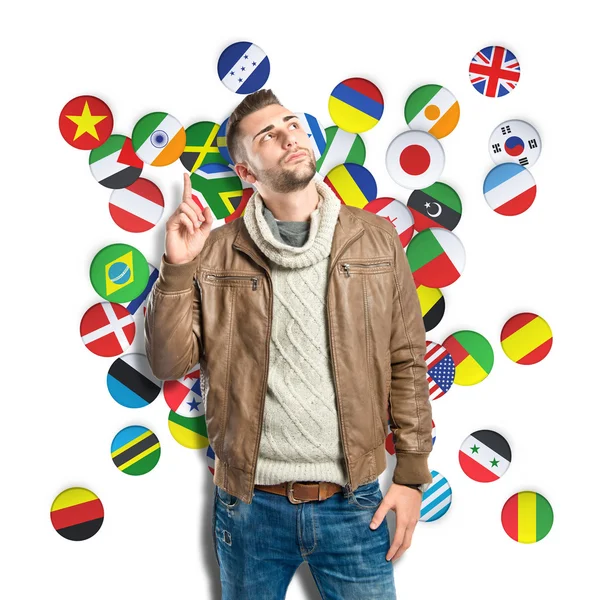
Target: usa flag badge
[(494, 71), (440, 369)]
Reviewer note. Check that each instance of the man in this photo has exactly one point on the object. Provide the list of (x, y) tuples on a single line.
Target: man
[(304, 317)]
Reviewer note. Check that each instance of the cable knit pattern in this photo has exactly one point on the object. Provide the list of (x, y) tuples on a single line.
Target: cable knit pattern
[(300, 438)]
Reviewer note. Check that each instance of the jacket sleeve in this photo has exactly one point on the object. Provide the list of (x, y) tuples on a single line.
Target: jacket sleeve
[(409, 404), (172, 332)]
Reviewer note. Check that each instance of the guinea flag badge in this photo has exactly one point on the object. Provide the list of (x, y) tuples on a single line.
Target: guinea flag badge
[(484, 456), (85, 122), (114, 164), (527, 517), (432, 108), (435, 206), (107, 329), (509, 189), (397, 213), (158, 139), (355, 105), (135, 450), (77, 514), (138, 207), (472, 354), (526, 338), (415, 159)]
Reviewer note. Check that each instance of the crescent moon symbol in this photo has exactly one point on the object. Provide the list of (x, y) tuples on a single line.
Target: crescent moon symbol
[(438, 213)]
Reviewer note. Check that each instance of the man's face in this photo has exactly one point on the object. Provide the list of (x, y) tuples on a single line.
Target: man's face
[(280, 153)]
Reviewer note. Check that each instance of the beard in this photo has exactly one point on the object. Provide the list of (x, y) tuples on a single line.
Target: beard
[(285, 179)]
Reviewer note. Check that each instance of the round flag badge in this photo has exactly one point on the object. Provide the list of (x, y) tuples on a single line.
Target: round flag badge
[(184, 395), (352, 184), (397, 214), (85, 122), (77, 514), (526, 338), (119, 273), (440, 370), (201, 146), (527, 517), (494, 71), (437, 498), (210, 459), (472, 354), (415, 159), (138, 207), (140, 301), (435, 206), (243, 67), (356, 105), (484, 456), (222, 143), (114, 164), (158, 139), (219, 186), (436, 257), (130, 381), (342, 147), (515, 141), (107, 329), (432, 108), (509, 189), (433, 305), (189, 432), (135, 450), (315, 131)]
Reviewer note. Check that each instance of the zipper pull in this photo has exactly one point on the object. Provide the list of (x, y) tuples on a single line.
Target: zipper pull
[(254, 283), (347, 269)]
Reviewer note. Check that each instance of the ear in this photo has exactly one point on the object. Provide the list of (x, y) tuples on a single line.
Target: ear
[(244, 173)]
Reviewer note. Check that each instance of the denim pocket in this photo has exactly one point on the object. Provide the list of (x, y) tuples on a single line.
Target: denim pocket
[(367, 496), (225, 498)]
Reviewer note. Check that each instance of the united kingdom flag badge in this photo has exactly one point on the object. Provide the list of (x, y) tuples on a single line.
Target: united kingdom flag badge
[(494, 71)]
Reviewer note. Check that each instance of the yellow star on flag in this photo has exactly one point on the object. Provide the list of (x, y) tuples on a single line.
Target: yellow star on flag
[(86, 122)]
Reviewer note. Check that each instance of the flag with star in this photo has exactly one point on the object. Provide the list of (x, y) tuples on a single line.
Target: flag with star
[(485, 455), (201, 146), (243, 67), (435, 206), (184, 395), (85, 122), (218, 186), (440, 369)]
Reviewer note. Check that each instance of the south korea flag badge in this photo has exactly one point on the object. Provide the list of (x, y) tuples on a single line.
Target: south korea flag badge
[(515, 141)]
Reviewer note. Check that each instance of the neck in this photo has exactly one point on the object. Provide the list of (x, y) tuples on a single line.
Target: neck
[(294, 206)]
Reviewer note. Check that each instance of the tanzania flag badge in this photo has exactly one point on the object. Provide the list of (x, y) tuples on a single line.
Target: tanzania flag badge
[(356, 105), (119, 273), (158, 139), (435, 206), (432, 108), (433, 305), (114, 164), (484, 455), (472, 354), (527, 517), (107, 329), (135, 450), (201, 146), (341, 147), (77, 514), (353, 184), (526, 338), (130, 381), (85, 122)]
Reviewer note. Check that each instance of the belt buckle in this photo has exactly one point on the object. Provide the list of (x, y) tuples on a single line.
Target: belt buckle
[(290, 493)]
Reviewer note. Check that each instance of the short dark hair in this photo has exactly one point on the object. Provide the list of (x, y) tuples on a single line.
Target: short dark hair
[(251, 103)]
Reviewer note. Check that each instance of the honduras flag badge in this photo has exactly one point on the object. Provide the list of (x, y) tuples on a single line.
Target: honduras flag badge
[(243, 67)]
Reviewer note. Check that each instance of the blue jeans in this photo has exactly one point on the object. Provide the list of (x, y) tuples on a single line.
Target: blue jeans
[(260, 545)]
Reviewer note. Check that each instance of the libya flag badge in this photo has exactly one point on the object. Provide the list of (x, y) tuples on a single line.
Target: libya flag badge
[(114, 164), (119, 273), (219, 186), (158, 139), (201, 146), (484, 455), (526, 338), (435, 206), (85, 122), (472, 354), (77, 514), (135, 450), (432, 108), (527, 517)]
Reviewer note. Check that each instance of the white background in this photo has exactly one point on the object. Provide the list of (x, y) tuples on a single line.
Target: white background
[(58, 419)]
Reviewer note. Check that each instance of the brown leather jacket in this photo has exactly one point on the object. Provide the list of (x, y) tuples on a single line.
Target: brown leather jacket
[(216, 310)]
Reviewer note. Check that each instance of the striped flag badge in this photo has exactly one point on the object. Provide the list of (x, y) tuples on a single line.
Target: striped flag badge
[(189, 432), (437, 498), (85, 122), (436, 257), (341, 147), (219, 187), (472, 354), (432, 108), (435, 206), (142, 300), (527, 517), (210, 459), (222, 143), (107, 329), (389, 440), (526, 338), (130, 381), (114, 164), (484, 455), (415, 159), (356, 105), (440, 370), (397, 214), (509, 189), (433, 305), (77, 514), (515, 141), (138, 207), (494, 71), (158, 139), (243, 67), (352, 184), (315, 131), (119, 272), (201, 146), (135, 450), (184, 395)]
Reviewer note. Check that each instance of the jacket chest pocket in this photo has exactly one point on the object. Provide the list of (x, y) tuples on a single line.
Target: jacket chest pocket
[(232, 280), (350, 268)]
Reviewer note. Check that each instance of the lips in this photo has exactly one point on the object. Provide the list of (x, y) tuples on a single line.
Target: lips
[(296, 155)]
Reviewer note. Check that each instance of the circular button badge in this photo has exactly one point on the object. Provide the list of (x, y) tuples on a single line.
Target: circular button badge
[(435, 206), (315, 131), (515, 141), (158, 139), (397, 214), (509, 189), (432, 108), (437, 498), (484, 456), (472, 354), (433, 305), (201, 146), (218, 186), (189, 432), (184, 395), (107, 329), (138, 207), (440, 370), (527, 517), (526, 338), (85, 122), (243, 67), (135, 450), (356, 105), (131, 382), (114, 164), (342, 147), (494, 71), (352, 184), (77, 514), (415, 160)]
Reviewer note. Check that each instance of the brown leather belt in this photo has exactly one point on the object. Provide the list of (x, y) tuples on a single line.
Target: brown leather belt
[(303, 491)]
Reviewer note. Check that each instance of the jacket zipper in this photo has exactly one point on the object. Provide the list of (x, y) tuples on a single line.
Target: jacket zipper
[(348, 265), (253, 277)]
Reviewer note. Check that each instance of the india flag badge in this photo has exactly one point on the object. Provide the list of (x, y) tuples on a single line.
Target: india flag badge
[(158, 139), (432, 108)]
